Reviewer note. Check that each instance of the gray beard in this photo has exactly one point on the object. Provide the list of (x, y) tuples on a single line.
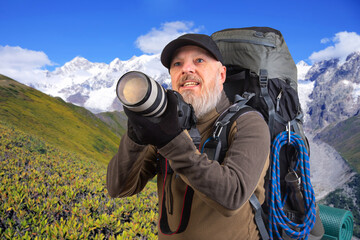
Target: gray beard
[(206, 103)]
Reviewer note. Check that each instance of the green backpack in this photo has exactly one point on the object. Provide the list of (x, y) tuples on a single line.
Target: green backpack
[(261, 73)]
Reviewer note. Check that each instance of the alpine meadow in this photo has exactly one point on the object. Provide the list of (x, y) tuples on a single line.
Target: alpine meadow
[(53, 159)]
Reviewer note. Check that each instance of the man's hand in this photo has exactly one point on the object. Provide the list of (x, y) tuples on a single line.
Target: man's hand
[(157, 131)]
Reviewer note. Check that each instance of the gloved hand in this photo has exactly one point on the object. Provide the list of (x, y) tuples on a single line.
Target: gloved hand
[(132, 132), (157, 131)]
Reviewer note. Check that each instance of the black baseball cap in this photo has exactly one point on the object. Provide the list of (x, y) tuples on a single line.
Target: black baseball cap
[(200, 40)]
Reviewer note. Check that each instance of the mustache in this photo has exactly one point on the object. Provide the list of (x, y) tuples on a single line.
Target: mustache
[(192, 77)]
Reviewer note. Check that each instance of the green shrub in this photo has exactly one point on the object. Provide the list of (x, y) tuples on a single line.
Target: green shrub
[(46, 193)]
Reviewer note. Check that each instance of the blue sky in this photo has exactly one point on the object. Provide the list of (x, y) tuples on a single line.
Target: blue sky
[(51, 33)]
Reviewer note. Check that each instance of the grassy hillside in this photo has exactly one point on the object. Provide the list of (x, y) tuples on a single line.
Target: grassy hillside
[(49, 193), (345, 138), (116, 120), (63, 124)]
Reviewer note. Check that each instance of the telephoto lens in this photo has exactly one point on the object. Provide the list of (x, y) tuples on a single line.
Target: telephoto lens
[(142, 94)]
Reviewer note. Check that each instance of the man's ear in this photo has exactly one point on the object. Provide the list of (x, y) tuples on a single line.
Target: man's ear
[(223, 73)]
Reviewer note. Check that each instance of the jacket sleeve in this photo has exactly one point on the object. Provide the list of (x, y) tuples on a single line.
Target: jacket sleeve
[(228, 186), (130, 169)]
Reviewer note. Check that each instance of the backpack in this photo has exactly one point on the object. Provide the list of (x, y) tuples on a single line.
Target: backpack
[(262, 75)]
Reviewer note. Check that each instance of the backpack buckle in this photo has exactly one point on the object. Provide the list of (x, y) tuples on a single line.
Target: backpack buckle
[(263, 78), (234, 109)]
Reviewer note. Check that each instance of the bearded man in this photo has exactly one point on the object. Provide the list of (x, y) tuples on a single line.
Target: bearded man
[(199, 198)]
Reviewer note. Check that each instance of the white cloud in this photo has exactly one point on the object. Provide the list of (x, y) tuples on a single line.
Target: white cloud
[(325, 40), (100, 99), (22, 64), (344, 43), (154, 41)]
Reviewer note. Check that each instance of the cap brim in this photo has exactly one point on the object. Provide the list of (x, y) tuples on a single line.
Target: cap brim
[(169, 50)]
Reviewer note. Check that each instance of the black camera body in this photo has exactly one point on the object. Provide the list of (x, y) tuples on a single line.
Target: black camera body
[(186, 114)]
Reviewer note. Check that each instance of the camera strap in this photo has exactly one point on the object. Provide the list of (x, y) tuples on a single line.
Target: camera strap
[(188, 196), (185, 213)]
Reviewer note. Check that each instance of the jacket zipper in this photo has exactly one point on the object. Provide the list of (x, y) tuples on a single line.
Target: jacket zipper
[(278, 98)]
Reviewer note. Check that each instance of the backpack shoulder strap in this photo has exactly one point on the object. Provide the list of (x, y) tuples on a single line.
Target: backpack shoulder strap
[(226, 120), (224, 127), (259, 220), (217, 144)]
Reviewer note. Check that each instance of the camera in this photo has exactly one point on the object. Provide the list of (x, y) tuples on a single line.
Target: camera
[(143, 95)]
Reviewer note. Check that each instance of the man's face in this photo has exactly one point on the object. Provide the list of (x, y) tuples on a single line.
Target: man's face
[(198, 76)]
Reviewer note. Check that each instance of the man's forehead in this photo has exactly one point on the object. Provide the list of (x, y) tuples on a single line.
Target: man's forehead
[(191, 49)]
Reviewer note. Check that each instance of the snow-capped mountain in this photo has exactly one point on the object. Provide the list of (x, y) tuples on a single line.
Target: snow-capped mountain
[(329, 90), (305, 87), (336, 93), (302, 70), (92, 85)]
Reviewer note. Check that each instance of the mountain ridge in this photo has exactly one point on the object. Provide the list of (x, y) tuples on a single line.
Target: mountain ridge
[(344, 136), (92, 85), (336, 93), (60, 123)]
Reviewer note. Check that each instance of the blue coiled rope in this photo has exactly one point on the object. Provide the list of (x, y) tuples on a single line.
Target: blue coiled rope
[(278, 220)]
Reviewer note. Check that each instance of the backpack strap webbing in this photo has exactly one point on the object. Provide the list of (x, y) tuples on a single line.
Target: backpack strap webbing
[(258, 217), (263, 82)]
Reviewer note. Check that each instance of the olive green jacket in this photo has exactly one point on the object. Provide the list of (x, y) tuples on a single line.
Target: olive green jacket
[(220, 207)]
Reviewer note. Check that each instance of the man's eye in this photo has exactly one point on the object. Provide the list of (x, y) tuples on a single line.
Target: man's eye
[(199, 60), (176, 64)]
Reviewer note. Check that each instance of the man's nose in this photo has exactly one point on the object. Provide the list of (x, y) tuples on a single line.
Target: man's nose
[(188, 67)]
